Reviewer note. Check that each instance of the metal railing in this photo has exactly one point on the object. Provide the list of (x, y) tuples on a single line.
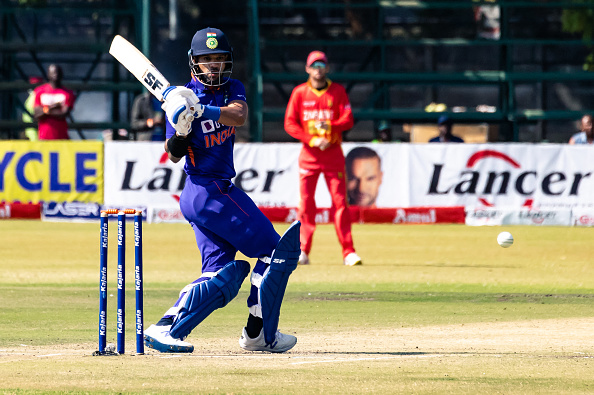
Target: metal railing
[(290, 42)]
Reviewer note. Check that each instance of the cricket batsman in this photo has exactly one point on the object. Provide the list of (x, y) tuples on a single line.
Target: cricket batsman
[(201, 121)]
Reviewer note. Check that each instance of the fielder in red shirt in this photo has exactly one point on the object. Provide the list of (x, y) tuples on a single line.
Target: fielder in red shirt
[(318, 113), (52, 105)]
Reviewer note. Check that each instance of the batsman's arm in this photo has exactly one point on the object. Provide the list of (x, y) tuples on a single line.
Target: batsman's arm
[(177, 147), (234, 114)]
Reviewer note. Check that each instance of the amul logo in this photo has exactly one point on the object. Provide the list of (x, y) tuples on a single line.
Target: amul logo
[(483, 184), (404, 217)]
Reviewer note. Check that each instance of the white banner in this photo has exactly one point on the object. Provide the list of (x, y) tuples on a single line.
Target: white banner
[(518, 216), (164, 214), (501, 175), (139, 174), (409, 175), (269, 173), (582, 217)]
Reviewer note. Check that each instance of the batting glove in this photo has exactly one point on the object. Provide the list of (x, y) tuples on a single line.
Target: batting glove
[(181, 107)]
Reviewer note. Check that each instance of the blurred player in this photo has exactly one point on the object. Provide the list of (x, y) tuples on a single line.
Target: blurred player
[(444, 126), (318, 113), (201, 121), (586, 135), (52, 105)]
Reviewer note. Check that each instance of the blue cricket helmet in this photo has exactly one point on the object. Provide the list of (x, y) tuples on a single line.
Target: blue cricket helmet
[(210, 41)]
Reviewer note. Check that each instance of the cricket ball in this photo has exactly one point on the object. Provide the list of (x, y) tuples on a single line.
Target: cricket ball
[(505, 239)]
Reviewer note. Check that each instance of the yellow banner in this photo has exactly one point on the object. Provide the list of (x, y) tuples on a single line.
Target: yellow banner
[(45, 171)]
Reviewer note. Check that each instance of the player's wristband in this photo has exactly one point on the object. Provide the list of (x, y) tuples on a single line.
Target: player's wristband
[(178, 146), (212, 112)]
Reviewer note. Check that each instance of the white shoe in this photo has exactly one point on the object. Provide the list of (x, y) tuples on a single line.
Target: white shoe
[(303, 259), (159, 338), (281, 342), (352, 259)]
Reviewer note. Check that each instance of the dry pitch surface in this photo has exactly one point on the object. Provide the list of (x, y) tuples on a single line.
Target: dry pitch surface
[(539, 356)]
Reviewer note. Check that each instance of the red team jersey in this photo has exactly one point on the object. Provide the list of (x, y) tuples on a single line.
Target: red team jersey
[(308, 106), (53, 128)]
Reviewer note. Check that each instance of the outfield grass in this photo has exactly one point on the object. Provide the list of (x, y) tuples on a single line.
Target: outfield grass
[(434, 309)]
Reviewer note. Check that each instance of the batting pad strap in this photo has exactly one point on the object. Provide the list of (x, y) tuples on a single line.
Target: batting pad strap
[(274, 283), (209, 274), (256, 279), (178, 146), (208, 296), (265, 259)]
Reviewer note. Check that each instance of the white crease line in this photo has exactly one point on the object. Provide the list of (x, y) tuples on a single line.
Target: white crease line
[(367, 359)]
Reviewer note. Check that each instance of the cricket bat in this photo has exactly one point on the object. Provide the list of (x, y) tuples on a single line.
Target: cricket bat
[(136, 63)]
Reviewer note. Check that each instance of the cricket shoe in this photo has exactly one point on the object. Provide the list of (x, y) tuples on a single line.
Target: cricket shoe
[(303, 259), (352, 259), (281, 342), (159, 338)]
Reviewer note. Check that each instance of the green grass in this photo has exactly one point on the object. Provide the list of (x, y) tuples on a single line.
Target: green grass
[(376, 328)]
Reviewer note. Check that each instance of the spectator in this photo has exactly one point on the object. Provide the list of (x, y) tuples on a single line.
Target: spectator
[(362, 20), (444, 125), (383, 132), (53, 103), (586, 136), (147, 118), (487, 21), (364, 176), (318, 113), (31, 132)]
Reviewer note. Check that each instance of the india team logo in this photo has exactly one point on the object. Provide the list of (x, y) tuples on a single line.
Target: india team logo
[(211, 40)]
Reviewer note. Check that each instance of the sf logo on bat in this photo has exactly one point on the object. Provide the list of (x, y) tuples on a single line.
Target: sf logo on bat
[(152, 81)]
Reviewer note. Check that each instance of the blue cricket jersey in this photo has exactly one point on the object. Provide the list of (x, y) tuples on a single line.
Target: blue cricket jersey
[(210, 153)]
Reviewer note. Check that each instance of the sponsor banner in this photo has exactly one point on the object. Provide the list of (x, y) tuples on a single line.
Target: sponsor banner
[(518, 216), (384, 175), (20, 210), (79, 212), (500, 175), (430, 175), (582, 217), (164, 214), (490, 216), (71, 211), (411, 215), (377, 175), (269, 174), (289, 214), (429, 215), (559, 217), (63, 171), (140, 174)]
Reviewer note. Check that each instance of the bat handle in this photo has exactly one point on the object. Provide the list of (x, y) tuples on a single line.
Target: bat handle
[(177, 113)]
